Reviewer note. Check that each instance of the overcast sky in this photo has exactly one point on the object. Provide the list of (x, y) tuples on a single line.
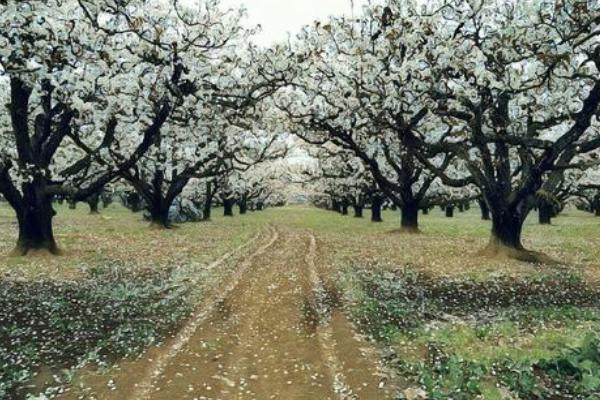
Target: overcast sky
[(277, 17)]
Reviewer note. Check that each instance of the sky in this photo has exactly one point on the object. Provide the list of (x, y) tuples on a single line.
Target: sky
[(278, 17)]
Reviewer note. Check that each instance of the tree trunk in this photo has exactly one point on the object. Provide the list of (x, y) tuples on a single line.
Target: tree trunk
[(93, 201), (35, 222), (344, 208), (449, 211), (358, 211), (545, 212), (243, 204), (228, 207), (260, 206), (485, 210), (410, 217), (206, 210), (425, 211), (507, 226), (376, 203), (506, 230), (159, 217)]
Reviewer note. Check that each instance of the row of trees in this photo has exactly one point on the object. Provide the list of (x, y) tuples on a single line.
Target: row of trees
[(151, 92), (496, 99), (500, 98)]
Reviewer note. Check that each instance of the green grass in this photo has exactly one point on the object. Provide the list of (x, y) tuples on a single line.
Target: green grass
[(448, 246), (119, 236)]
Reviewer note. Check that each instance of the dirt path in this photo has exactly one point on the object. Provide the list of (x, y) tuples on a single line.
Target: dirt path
[(269, 333)]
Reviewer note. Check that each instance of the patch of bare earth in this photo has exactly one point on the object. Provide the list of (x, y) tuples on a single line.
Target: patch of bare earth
[(271, 333)]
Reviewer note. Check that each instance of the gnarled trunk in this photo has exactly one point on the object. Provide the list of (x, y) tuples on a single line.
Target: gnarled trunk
[(485, 210), (228, 207), (545, 213), (35, 221), (159, 216), (506, 230), (376, 203), (410, 217), (243, 204), (93, 202)]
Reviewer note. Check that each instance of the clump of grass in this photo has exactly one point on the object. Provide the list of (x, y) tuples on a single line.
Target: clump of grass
[(110, 313), (526, 337)]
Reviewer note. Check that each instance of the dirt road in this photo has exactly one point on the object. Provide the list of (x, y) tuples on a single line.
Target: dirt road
[(271, 330)]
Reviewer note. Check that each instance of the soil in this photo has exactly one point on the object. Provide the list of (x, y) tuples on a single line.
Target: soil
[(272, 329)]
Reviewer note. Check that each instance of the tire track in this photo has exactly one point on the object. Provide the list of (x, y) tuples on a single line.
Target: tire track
[(353, 362), (324, 330), (144, 388)]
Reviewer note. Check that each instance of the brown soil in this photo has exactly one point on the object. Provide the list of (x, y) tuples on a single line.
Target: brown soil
[(270, 331), (497, 251)]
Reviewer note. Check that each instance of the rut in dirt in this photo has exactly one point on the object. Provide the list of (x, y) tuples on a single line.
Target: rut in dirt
[(270, 335)]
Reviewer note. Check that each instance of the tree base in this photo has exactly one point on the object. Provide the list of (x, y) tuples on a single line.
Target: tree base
[(495, 250), (160, 226), (407, 230), (20, 251)]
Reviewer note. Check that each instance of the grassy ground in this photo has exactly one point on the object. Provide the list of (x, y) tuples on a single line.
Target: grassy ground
[(449, 246), (119, 236), (454, 324), (118, 288)]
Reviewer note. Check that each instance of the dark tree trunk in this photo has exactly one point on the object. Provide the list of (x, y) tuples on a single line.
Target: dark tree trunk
[(228, 207), (595, 204), (260, 206), (449, 211), (35, 222), (506, 229), (485, 210), (425, 211), (159, 216), (94, 201), (206, 210), (358, 211), (545, 212), (461, 208), (243, 204), (376, 203), (72, 205), (410, 217), (344, 208)]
